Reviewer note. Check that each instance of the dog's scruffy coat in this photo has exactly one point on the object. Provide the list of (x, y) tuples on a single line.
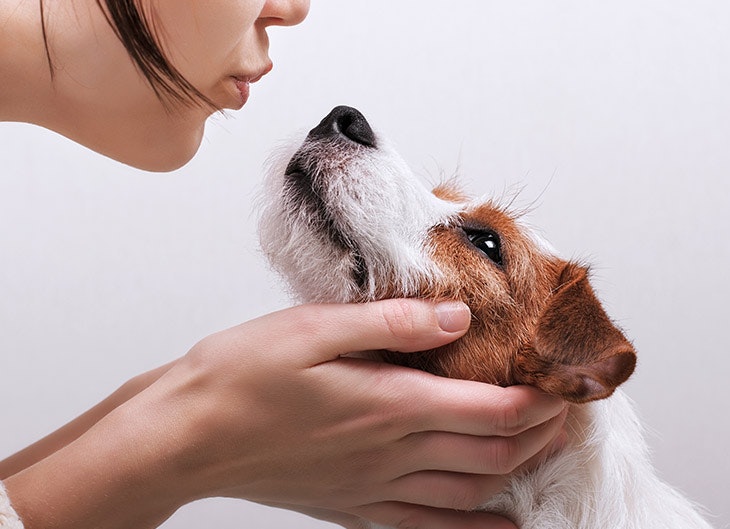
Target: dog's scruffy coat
[(346, 221)]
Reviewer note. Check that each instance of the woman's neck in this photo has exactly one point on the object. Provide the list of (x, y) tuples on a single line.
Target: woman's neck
[(25, 76)]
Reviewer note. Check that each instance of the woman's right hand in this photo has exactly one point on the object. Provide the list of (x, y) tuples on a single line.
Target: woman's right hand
[(271, 411)]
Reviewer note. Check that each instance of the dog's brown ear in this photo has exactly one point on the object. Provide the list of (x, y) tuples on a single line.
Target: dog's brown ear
[(577, 352)]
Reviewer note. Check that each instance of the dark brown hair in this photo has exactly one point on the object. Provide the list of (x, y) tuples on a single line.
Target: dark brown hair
[(133, 30)]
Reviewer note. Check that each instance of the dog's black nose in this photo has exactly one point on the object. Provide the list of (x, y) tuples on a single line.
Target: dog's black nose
[(348, 122)]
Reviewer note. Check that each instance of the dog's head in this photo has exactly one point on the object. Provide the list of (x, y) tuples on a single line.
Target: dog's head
[(347, 221)]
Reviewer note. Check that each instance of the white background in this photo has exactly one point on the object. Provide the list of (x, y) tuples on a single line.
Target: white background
[(613, 116)]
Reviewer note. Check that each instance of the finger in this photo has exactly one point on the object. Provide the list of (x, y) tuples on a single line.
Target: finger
[(325, 332), (445, 490), (553, 447), (474, 408), (394, 514), (422, 402), (492, 455), (404, 325)]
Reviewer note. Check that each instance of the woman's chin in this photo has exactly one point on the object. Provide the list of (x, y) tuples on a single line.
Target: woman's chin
[(168, 151)]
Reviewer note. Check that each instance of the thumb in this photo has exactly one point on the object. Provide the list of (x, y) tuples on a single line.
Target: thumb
[(404, 325)]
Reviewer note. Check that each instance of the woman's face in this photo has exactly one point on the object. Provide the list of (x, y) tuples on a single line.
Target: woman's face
[(102, 101), (232, 45)]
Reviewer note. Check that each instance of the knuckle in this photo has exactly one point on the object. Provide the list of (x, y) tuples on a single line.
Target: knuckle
[(206, 351), (505, 455), (400, 319), (510, 418), (468, 496)]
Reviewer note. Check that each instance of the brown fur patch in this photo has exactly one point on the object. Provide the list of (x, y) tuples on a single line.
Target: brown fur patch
[(536, 319)]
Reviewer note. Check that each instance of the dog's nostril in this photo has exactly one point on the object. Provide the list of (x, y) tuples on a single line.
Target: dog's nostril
[(348, 122), (353, 124)]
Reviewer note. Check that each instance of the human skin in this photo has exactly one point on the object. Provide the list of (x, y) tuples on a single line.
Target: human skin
[(273, 410), (98, 98), (297, 425)]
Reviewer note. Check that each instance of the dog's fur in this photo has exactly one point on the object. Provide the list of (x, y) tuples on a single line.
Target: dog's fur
[(346, 221)]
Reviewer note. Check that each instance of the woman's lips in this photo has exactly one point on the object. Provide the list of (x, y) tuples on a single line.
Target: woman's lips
[(244, 89), (243, 83)]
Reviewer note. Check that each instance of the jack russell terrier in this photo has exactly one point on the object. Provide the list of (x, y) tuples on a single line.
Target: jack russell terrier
[(347, 221)]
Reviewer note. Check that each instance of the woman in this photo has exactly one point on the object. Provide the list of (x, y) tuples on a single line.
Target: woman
[(137, 84)]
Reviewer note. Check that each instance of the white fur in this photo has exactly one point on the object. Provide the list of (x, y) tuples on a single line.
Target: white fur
[(372, 192), (603, 479), (8, 517)]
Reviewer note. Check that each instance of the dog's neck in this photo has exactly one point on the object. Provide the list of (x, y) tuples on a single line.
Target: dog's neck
[(349, 221), (603, 478)]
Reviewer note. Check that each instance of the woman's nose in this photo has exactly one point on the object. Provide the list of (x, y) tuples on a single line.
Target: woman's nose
[(284, 12)]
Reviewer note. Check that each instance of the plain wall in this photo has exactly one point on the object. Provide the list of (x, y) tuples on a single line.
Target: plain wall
[(613, 118)]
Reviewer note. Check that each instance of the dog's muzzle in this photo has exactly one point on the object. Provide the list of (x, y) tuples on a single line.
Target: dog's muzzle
[(344, 124)]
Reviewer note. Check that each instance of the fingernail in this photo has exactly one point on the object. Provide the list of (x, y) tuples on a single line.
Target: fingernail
[(453, 316)]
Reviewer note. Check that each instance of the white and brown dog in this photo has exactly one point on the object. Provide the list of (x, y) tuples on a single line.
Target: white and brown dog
[(347, 221)]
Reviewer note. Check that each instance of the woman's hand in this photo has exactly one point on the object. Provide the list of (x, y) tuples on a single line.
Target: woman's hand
[(271, 411)]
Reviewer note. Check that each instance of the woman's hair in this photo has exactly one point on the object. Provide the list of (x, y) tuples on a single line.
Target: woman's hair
[(133, 30)]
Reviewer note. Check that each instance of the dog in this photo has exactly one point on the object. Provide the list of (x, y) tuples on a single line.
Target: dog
[(345, 220)]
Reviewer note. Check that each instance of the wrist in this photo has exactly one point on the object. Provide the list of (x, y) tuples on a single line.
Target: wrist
[(77, 427), (116, 475)]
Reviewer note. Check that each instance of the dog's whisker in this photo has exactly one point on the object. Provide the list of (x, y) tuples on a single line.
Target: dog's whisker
[(360, 226)]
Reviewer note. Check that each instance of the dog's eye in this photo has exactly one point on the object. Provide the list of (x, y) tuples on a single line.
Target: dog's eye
[(488, 242)]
